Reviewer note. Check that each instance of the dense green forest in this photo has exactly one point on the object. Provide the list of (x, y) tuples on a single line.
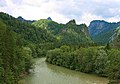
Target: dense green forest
[(102, 61), (35, 38), (68, 45), (15, 60), (20, 42), (66, 34)]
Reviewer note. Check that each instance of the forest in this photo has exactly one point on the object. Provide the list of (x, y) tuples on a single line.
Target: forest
[(101, 61), (20, 42), (15, 60)]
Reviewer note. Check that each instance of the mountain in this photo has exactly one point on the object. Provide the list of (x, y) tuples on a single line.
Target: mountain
[(68, 34), (115, 38), (49, 25), (74, 34), (101, 31), (38, 40), (49, 18), (23, 20), (15, 59), (26, 31)]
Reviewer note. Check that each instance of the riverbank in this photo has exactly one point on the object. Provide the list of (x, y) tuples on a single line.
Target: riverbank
[(93, 60), (45, 73)]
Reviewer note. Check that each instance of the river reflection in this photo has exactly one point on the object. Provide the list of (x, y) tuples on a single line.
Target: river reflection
[(45, 73)]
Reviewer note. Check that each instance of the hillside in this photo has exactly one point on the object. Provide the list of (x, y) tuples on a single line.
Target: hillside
[(29, 36), (74, 34), (101, 31), (50, 25), (15, 59), (115, 39), (69, 33), (26, 31)]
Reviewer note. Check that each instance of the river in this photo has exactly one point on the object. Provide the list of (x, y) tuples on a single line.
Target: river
[(45, 73)]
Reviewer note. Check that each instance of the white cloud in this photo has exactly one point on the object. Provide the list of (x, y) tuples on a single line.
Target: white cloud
[(34, 3), (2, 3), (62, 11), (114, 19), (87, 17)]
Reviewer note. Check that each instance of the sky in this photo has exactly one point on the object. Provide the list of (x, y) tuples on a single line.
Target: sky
[(61, 11)]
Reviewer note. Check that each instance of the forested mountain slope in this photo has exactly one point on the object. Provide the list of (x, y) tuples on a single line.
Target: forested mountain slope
[(29, 36), (26, 31), (69, 33), (50, 25), (19, 43), (115, 39), (15, 59), (101, 31)]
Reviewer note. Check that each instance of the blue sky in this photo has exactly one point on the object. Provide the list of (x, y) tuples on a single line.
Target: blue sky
[(83, 11)]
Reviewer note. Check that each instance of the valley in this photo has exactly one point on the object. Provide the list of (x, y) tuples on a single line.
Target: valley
[(74, 48)]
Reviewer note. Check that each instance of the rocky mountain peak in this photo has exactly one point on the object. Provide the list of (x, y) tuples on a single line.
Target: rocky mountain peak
[(49, 18), (21, 18), (72, 21)]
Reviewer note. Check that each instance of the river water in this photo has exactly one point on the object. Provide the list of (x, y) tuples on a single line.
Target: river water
[(45, 73)]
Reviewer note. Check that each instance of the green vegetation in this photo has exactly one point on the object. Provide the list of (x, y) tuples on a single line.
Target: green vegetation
[(68, 45), (49, 25), (66, 34), (104, 37), (109, 36), (102, 31), (116, 40), (20, 42), (29, 36), (100, 61), (15, 60)]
